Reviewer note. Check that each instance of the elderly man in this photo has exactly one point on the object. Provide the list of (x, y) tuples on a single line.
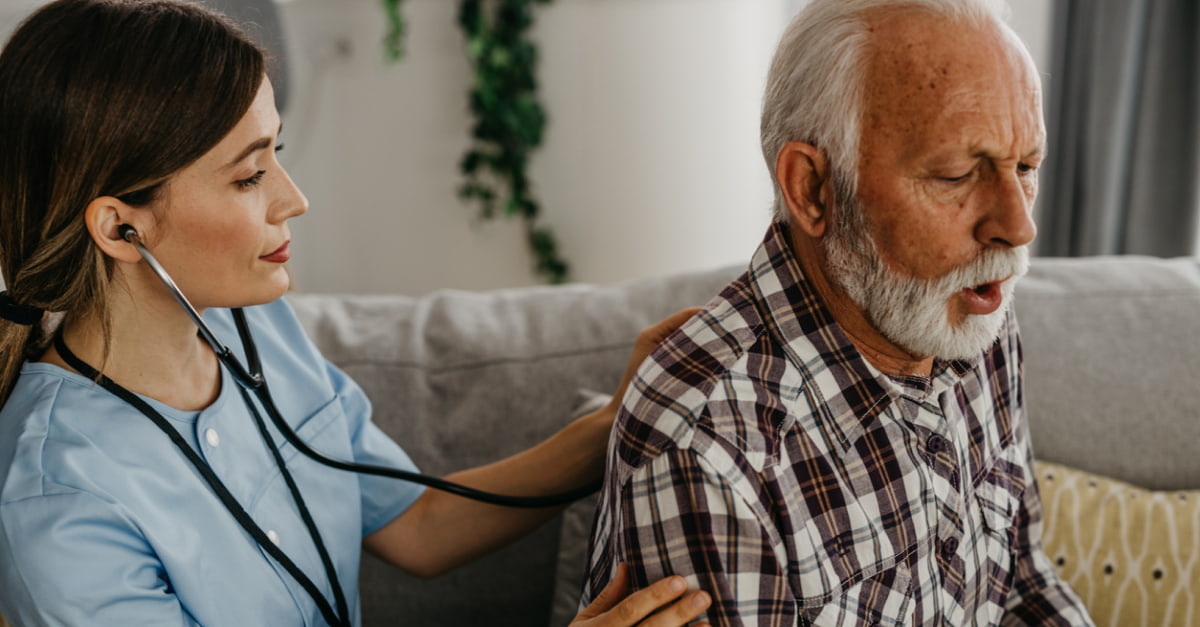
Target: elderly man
[(839, 437)]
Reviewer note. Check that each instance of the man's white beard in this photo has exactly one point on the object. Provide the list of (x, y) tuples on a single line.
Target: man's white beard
[(914, 313)]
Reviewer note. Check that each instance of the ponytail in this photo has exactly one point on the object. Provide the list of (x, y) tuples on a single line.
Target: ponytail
[(16, 342)]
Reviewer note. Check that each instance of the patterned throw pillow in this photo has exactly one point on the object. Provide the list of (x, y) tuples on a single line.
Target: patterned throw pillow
[(1132, 555)]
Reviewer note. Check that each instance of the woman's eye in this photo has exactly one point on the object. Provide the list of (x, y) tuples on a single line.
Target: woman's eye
[(251, 182)]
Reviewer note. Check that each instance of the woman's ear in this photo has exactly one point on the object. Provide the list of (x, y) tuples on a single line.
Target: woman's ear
[(803, 174), (103, 216)]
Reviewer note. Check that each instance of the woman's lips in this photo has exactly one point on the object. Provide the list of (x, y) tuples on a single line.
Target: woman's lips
[(984, 299), (281, 254)]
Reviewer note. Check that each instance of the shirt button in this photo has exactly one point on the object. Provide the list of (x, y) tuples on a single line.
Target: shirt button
[(273, 537), (213, 439), (949, 548), (937, 444)]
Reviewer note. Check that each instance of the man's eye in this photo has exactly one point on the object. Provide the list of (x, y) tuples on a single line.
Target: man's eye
[(954, 180)]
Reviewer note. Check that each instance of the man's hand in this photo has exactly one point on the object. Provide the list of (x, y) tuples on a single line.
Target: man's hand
[(615, 607)]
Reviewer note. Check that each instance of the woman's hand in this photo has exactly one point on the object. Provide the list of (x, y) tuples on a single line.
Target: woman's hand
[(647, 341), (594, 428), (615, 607)]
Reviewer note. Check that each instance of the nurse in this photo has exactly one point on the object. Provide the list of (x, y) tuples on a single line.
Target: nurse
[(156, 115)]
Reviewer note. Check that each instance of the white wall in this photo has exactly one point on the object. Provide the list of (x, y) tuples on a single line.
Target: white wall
[(650, 164)]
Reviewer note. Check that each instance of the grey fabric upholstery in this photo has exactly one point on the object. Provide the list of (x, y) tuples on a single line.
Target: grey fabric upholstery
[(1112, 366), (459, 379)]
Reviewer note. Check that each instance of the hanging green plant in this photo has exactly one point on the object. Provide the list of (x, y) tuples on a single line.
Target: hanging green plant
[(509, 120), (393, 41)]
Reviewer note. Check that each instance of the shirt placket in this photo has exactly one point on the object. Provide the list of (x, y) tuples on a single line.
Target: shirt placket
[(933, 422)]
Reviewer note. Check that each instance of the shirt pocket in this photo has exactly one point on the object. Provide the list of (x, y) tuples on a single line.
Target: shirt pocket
[(276, 512), (998, 496), (882, 600), (843, 582), (316, 432), (998, 499)]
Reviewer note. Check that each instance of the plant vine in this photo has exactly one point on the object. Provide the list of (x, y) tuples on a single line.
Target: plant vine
[(508, 119)]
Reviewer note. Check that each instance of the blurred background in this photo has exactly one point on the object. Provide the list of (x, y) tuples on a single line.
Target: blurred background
[(650, 162)]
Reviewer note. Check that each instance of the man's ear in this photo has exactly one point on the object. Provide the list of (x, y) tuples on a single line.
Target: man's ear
[(803, 174), (103, 215)]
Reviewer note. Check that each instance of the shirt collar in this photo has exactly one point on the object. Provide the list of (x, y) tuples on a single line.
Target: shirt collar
[(794, 313)]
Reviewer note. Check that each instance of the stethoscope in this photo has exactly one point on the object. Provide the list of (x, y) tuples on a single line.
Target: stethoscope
[(251, 381)]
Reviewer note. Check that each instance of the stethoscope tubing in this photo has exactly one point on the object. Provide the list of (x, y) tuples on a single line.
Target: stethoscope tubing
[(339, 617), (252, 379)]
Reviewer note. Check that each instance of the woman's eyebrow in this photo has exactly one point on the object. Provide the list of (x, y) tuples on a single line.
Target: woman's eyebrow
[(259, 144)]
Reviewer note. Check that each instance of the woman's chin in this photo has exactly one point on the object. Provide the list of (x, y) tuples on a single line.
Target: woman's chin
[(267, 293)]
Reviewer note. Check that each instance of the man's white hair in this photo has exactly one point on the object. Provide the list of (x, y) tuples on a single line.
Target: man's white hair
[(818, 77)]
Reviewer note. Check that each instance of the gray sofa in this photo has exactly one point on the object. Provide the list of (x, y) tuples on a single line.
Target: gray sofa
[(1112, 350)]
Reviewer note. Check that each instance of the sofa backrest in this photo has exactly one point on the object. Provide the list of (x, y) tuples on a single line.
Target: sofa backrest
[(1112, 366), (460, 379)]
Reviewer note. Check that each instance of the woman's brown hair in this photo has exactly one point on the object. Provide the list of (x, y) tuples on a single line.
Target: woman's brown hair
[(101, 98)]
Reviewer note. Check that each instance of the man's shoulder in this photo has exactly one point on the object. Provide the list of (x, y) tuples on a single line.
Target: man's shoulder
[(716, 382)]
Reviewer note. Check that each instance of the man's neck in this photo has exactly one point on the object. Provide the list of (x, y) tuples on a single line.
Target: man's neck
[(871, 344), (153, 348)]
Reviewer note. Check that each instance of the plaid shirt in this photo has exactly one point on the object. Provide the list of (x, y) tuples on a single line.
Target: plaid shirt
[(760, 456)]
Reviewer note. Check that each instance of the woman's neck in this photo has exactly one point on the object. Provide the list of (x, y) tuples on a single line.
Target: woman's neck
[(153, 350)]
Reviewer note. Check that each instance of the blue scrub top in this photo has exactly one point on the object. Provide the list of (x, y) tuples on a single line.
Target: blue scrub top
[(104, 522)]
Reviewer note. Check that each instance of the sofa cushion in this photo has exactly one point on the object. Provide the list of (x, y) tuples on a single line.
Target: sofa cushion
[(1132, 555), (1112, 366)]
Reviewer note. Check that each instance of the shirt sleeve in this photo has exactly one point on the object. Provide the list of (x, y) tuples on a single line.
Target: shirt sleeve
[(110, 575), (1039, 596), (677, 515), (383, 498)]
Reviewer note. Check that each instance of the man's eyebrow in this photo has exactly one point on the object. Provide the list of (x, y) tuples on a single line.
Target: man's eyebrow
[(1038, 152), (259, 144)]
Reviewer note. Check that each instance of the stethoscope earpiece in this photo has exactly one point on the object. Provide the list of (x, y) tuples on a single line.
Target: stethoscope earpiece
[(127, 233), (251, 380)]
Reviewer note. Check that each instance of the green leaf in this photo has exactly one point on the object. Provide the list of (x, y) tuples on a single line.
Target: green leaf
[(393, 41), (509, 122)]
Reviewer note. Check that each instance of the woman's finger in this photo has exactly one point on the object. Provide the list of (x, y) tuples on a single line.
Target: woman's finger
[(641, 604), (655, 334), (647, 341), (609, 596), (681, 611)]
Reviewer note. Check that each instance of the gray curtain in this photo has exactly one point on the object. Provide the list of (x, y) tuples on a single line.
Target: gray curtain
[(1123, 119)]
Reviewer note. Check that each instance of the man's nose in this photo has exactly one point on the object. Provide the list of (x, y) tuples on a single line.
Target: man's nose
[(1008, 220)]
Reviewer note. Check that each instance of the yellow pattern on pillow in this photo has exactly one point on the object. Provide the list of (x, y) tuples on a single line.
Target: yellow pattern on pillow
[(1132, 555)]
